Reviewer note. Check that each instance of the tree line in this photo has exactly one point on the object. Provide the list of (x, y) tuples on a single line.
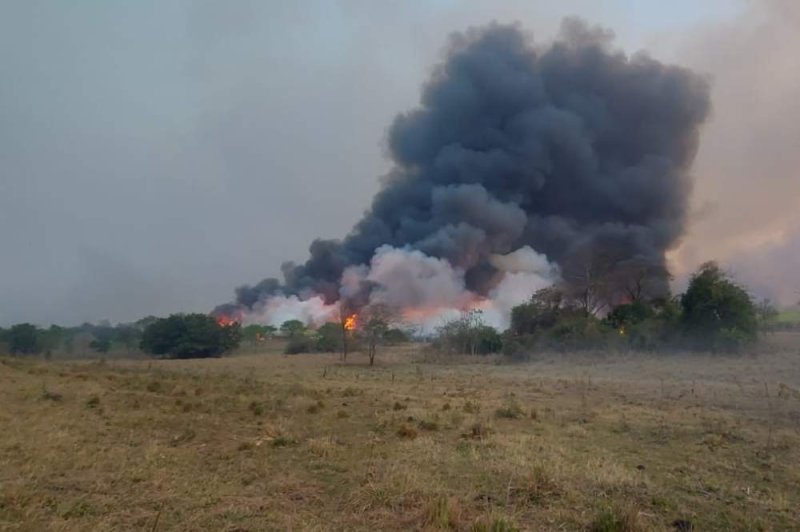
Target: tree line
[(714, 314), (621, 307)]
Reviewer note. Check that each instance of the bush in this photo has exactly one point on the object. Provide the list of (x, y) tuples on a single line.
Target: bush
[(717, 313), (24, 339), (189, 336), (468, 335), (328, 338), (299, 343), (646, 325), (489, 340), (548, 321), (579, 332), (541, 312), (629, 314), (395, 336), (293, 328), (100, 345)]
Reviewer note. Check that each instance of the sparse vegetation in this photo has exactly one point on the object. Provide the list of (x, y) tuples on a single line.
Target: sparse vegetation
[(468, 335), (267, 442)]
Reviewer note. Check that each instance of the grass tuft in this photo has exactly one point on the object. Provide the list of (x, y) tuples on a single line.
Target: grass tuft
[(510, 411), (407, 432), (428, 425), (283, 441), (615, 520), (495, 525), (477, 431), (93, 401)]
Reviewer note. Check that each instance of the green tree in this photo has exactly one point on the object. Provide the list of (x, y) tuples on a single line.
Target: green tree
[(127, 335), (329, 338), (488, 340), (625, 316), (255, 333), (52, 338), (542, 311), (717, 313), (189, 336), (101, 345), (468, 335), (24, 339), (292, 328), (375, 328)]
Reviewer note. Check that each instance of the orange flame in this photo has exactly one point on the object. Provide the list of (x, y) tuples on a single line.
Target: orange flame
[(351, 322), (226, 321)]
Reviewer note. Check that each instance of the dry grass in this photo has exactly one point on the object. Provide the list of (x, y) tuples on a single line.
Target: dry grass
[(263, 441)]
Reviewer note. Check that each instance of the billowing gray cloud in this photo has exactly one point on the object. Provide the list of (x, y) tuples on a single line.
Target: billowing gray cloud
[(565, 147)]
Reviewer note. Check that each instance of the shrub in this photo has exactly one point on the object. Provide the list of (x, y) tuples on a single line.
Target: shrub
[(547, 322), (576, 331), (468, 335), (299, 344), (24, 339), (498, 525), (407, 432), (488, 340), (189, 336), (428, 425), (283, 441), (542, 311), (629, 314), (293, 328), (395, 336), (329, 338), (510, 411), (717, 313), (612, 520), (100, 345)]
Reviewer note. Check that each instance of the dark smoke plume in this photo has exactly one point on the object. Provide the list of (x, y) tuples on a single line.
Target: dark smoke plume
[(561, 148)]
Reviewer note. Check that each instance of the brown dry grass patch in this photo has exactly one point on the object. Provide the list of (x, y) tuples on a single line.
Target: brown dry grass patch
[(264, 441)]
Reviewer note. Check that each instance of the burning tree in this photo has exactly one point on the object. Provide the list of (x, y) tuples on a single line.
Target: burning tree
[(349, 323)]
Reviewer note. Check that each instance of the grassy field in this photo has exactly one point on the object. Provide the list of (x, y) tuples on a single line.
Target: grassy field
[(790, 317), (272, 442)]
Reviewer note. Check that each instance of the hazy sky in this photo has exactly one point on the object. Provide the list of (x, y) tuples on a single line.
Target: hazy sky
[(155, 154)]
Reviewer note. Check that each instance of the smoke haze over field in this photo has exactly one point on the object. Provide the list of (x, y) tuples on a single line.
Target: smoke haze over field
[(747, 198), (156, 154)]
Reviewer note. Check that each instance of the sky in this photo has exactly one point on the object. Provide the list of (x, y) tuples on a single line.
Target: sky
[(156, 154)]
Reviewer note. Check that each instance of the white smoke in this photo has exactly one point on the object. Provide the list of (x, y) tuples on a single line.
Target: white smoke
[(525, 273), (426, 291), (408, 278), (524, 259), (279, 309), (429, 291)]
